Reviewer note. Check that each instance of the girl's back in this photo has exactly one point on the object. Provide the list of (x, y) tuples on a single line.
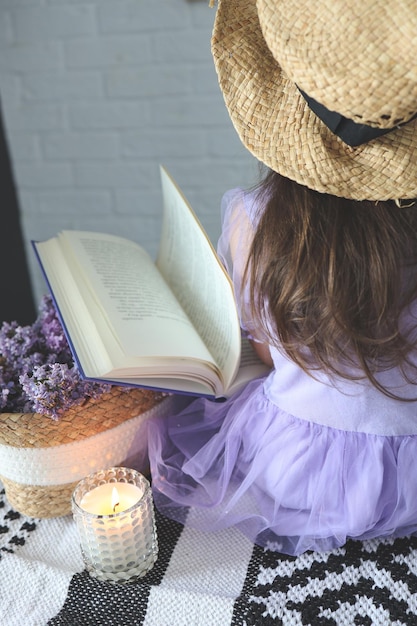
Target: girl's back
[(323, 258)]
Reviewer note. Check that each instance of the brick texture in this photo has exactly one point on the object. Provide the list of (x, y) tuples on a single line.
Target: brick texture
[(95, 94)]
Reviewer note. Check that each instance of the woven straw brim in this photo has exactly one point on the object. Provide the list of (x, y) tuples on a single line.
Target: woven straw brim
[(277, 127), (32, 431), (357, 58)]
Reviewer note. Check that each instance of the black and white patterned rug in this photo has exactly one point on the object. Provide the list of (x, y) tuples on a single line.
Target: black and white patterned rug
[(202, 580)]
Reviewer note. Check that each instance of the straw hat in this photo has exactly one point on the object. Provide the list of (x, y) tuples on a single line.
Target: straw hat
[(354, 61)]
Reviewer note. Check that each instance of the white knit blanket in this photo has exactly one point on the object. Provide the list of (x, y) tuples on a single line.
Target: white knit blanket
[(202, 580)]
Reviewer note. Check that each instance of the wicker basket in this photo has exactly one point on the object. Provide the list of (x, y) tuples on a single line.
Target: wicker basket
[(42, 460)]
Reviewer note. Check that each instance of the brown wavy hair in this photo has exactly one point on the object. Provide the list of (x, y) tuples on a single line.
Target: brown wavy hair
[(334, 276)]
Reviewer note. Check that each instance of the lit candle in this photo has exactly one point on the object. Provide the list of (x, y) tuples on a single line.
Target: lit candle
[(113, 510), (111, 498)]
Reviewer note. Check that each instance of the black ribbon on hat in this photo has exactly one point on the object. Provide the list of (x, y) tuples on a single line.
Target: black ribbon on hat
[(350, 132)]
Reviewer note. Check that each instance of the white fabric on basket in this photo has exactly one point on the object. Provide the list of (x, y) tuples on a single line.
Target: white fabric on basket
[(70, 462)]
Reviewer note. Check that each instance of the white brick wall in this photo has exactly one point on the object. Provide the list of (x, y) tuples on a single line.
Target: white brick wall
[(95, 94)]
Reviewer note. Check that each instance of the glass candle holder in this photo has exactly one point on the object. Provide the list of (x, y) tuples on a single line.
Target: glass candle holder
[(114, 513)]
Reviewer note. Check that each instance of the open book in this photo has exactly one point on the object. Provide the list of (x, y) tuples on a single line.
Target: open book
[(169, 325)]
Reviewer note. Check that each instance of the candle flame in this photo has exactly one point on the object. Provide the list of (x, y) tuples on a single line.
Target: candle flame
[(114, 499)]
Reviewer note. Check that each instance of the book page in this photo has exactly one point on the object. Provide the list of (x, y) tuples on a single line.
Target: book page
[(250, 367), (190, 265), (133, 310)]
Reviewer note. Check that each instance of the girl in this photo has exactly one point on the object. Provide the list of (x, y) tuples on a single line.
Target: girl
[(323, 257)]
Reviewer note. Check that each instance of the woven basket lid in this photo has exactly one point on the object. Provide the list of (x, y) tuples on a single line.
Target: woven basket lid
[(355, 58)]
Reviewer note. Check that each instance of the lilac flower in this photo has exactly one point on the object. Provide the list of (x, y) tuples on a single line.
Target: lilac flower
[(55, 388), (37, 371)]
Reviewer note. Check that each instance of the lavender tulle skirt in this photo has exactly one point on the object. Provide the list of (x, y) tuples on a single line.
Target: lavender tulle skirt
[(289, 484)]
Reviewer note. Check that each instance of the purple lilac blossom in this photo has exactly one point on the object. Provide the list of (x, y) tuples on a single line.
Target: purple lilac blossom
[(37, 371)]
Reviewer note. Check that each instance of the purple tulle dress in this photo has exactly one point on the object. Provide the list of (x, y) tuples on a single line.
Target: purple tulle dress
[(297, 463)]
